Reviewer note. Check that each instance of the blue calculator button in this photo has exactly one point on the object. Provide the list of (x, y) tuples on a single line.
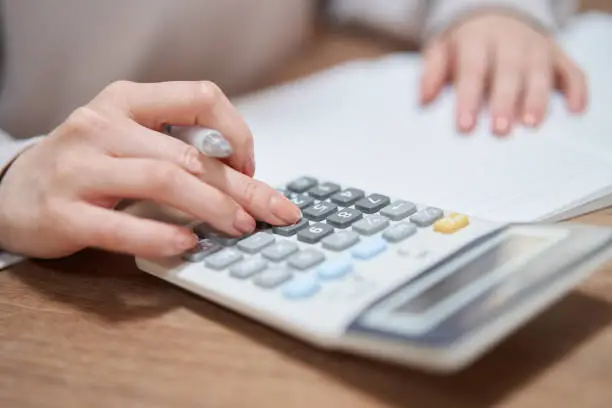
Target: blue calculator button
[(302, 287), (369, 249), (334, 269)]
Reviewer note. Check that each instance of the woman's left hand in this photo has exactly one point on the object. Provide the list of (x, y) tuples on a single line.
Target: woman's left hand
[(503, 59)]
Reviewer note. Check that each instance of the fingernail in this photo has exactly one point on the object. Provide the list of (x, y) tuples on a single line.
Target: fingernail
[(466, 121), (186, 241), (529, 120), (285, 209), (502, 125), (214, 144), (243, 222)]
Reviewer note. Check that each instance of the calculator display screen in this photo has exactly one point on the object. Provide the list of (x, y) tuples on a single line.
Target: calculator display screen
[(510, 248)]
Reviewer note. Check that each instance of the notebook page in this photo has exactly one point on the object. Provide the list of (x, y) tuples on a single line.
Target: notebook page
[(360, 124)]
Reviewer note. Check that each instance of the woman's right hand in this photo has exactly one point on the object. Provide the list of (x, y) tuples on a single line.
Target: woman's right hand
[(58, 196)]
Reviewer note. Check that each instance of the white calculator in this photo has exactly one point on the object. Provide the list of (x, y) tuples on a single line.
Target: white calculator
[(387, 277)]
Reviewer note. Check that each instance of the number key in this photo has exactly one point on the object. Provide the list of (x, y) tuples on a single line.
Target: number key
[(302, 184), (315, 233), (302, 201), (319, 211), (348, 196), (372, 203), (323, 190), (344, 218)]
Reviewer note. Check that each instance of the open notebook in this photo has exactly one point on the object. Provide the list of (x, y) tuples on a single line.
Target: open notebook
[(360, 123)]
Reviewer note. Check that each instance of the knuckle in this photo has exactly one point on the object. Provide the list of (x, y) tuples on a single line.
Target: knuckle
[(118, 87), (207, 93), (189, 157), (252, 190), (164, 176), (83, 122)]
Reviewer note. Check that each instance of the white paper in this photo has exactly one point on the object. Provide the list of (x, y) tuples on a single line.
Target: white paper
[(360, 124)]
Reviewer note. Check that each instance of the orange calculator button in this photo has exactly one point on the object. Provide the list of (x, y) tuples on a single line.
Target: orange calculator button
[(451, 223)]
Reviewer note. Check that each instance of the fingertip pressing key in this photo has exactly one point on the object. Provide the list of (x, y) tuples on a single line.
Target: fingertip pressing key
[(284, 209)]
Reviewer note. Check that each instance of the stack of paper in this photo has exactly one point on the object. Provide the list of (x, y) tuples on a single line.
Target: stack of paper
[(360, 124)]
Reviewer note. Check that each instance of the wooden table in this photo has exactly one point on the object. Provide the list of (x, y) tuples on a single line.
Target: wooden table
[(93, 331)]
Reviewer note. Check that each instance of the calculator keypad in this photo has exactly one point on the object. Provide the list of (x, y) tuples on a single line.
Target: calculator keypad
[(340, 229)]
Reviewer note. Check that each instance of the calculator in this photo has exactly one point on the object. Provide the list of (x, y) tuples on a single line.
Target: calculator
[(388, 278)]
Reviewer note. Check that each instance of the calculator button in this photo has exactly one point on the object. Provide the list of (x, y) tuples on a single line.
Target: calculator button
[(372, 203), (399, 210), (319, 211), (272, 278), (341, 240), (334, 269), (203, 248), (324, 190), (315, 233), (223, 259), (302, 184), (344, 218), (301, 287), (301, 201), (206, 231), (399, 232), (452, 223), (248, 268), (348, 196), (289, 230), (256, 242), (369, 249), (280, 251), (306, 259), (372, 224), (427, 216)]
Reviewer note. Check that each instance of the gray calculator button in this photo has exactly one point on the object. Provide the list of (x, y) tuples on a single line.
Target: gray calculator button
[(248, 268), (372, 203), (256, 242), (347, 197), (314, 233), (301, 201), (272, 278), (306, 259), (289, 230), (206, 231), (398, 210), (204, 248), (341, 240), (302, 184), (280, 250), (223, 259), (427, 216), (399, 232), (344, 218), (319, 211), (371, 225), (324, 190)]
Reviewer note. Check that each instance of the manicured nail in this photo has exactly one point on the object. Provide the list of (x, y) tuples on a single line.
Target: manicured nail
[(529, 120), (284, 209), (466, 121), (502, 125), (243, 222), (186, 241), (214, 144)]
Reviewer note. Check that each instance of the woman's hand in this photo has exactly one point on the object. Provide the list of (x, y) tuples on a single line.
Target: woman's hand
[(507, 61), (58, 197)]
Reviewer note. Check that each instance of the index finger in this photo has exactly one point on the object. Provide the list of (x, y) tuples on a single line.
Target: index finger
[(184, 103)]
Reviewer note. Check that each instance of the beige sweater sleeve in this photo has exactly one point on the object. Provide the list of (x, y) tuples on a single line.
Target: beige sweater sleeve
[(418, 20)]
